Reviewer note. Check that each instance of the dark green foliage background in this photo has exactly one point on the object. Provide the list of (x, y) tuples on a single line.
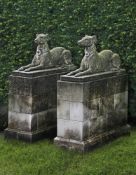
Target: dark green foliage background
[(113, 21)]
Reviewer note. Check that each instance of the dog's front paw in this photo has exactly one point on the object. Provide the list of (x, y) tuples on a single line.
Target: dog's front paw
[(27, 70), (21, 69), (77, 75), (70, 73)]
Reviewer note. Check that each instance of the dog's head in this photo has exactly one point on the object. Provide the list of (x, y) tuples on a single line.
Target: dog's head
[(41, 38), (87, 41)]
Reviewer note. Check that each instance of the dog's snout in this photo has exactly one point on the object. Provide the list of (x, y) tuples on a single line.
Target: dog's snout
[(35, 40), (78, 42)]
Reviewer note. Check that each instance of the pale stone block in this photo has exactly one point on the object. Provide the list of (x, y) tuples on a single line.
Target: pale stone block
[(76, 111), (62, 125), (63, 91), (19, 103), (70, 129), (70, 91), (20, 121), (75, 130), (77, 92), (63, 109), (30, 122)]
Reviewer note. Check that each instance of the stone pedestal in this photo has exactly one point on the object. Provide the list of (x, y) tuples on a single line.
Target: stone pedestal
[(32, 104), (91, 110)]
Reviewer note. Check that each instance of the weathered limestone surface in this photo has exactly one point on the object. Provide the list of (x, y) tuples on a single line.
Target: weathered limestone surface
[(32, 103), (91, 109)]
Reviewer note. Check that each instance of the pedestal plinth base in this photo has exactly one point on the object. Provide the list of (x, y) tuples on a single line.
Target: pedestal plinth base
[(32, 104), (92, 109), (29, 137), (92, 142)]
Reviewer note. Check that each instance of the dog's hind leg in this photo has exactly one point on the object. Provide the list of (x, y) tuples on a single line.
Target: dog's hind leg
[(86, 72)]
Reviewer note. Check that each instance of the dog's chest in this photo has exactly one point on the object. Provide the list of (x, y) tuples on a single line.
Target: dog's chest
[(39, 52), (87, 59)]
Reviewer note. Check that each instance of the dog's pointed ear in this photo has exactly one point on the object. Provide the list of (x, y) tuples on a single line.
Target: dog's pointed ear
[(47, 36), (94, 39)]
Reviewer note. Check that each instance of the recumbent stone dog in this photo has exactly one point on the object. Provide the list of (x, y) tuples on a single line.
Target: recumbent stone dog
[(46, 58), (94, 62)]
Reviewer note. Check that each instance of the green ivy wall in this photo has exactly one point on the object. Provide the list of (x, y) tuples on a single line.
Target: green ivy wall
[(66, 21)]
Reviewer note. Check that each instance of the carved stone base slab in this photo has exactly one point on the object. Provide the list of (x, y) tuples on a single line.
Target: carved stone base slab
[(92, 142), (32, 103), (91, 107), (30, 137)]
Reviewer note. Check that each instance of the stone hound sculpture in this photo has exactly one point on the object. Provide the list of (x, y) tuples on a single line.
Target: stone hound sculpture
[(94, 62), (46, 58)]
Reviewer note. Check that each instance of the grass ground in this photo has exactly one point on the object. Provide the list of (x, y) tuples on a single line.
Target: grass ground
[(44, 158)]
